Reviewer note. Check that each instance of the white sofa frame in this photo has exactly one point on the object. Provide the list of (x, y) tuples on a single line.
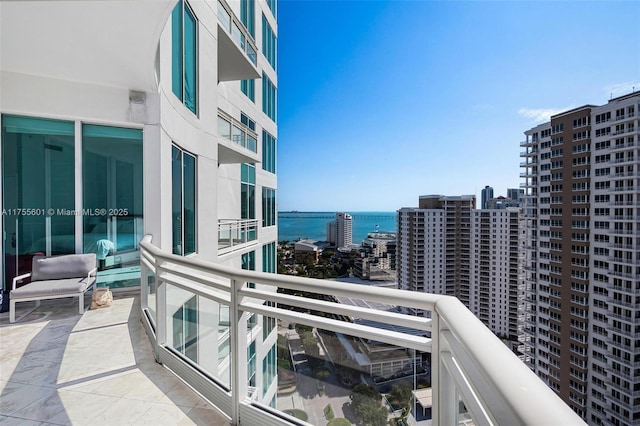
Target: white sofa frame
[(37, 299)]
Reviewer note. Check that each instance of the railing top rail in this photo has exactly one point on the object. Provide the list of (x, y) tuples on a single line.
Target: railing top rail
[(525, 398), (385, 295)]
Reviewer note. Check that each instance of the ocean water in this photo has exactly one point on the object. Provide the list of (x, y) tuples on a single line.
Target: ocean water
[(293, 226)]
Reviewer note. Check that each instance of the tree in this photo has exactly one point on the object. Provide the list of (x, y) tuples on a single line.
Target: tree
[(400, 396), (365, 402)]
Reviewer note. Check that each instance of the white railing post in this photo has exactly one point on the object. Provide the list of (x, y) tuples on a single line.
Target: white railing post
[(238, 343), (444, 410), (161, 308), (144, 286)]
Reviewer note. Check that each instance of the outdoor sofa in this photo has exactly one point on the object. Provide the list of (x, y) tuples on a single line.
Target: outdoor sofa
[(55, 277)]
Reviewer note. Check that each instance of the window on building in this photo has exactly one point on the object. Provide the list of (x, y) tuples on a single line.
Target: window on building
[(268, 370), (251, 363), (269, 98), (247, 16), (269, 43), (184, 35), (268, 207), (248, 193), (268, 152), (183, 199), (248, 87)]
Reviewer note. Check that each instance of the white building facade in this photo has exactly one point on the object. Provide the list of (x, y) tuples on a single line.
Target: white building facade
[(125, 119)]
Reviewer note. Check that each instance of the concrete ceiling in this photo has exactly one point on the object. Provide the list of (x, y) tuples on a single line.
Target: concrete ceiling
[(111, 43)]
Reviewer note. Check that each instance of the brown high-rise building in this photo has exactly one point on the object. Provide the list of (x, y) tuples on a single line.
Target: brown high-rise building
[(581, 210)]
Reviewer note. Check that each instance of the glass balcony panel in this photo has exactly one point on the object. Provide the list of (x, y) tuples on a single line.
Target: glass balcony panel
[(320, 377), (198, 329), (151, 295), (237, 136), (252, 143), (223, 16), (224, 128)]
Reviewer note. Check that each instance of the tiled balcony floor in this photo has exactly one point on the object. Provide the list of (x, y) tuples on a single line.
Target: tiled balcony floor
[(57, 367)]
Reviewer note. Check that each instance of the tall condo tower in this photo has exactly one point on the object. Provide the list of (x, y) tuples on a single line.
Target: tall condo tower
[(581, 331), (486, 195)]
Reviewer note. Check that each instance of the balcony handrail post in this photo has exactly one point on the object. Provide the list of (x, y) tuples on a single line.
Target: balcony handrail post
[(161, 307), (238, 343), (435, 368), (445, 404)]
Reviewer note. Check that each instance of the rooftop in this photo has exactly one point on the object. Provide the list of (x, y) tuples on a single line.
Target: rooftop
[(98, 368)]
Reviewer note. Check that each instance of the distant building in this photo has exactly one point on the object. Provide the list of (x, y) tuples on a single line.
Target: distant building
[(307, 250), (515, 194), (487, 193), (501, 202), (377, 259), (446, 246), (379, 360), (340, 231)]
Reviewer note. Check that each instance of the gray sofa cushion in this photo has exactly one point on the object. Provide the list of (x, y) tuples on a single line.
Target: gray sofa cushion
[(51, 288), (60, 267)]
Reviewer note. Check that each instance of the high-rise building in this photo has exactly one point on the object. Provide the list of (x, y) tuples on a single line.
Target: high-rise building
[(581, 330), (162, 125), (515, 193), (486, 195), (340, 231), (446, 246)]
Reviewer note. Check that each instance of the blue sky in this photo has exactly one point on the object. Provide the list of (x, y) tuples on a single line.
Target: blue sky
[(381, 102)]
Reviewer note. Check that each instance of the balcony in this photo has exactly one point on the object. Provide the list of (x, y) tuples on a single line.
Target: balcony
[(236, 234), (59, 369), (237, 143), (62, 368), (237, 57)]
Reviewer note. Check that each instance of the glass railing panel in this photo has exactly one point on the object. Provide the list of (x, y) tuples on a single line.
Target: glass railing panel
[(252, 143), (252, 54), (224, 128), (223, 16), (151, 295), (198, 329), (237, 136), (323, 376)]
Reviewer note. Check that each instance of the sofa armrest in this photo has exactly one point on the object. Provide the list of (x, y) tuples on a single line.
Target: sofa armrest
[(19, 278), (91, 272)]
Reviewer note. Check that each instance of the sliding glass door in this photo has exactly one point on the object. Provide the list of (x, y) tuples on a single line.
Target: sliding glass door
[(38, 185), (113, 200), (46, 213)]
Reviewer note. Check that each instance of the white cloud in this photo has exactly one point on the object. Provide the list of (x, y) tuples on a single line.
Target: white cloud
[(619, 89), (539, 115)]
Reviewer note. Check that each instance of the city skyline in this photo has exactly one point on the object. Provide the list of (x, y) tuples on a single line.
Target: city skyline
[(444, 89)]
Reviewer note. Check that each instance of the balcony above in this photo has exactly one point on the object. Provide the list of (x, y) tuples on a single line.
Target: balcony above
[(236, 234), (237, 57)]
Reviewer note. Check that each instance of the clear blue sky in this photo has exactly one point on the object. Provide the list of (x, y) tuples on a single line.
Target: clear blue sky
[(381, 102)]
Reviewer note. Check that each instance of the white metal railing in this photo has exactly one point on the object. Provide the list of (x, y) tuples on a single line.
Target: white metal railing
[(468, 362), (234, 234)]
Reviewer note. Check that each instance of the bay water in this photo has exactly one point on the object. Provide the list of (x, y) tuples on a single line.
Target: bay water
[(293, 226)]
